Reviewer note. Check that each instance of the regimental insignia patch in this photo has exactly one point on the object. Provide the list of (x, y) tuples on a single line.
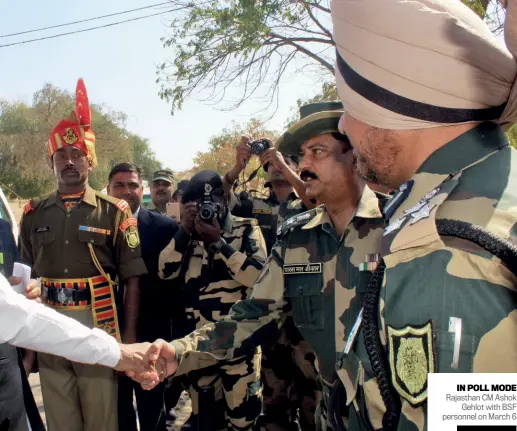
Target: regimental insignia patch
[(131, 221), (28, 208), (69, 136), (132, 237), (411, 357), (122, 205)]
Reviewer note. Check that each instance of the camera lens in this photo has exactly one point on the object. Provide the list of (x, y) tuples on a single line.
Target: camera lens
[(206, 212)]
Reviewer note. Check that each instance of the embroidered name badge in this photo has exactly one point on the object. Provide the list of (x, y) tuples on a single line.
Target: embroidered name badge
[(303, 268), (42, 229), (95, 229), (131, 221), (370, 263), (411, 357)]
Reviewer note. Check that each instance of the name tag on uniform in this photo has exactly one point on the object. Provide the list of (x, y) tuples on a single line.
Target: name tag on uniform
[(261, 211), (302, 268), (42, 229), (95, 229)]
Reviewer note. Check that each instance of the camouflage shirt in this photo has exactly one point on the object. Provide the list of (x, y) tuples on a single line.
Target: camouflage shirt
[(269, 212), (213, 283), (432, 280), (313, 275)]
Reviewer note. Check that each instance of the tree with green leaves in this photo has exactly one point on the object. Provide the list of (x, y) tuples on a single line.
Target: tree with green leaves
[(244, 45), (25, 170), (229, 51)]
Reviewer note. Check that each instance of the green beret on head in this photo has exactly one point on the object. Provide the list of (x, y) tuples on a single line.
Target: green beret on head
[(315, 119)]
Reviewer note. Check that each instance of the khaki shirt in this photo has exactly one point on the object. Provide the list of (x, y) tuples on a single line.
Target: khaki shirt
[(55, 243)]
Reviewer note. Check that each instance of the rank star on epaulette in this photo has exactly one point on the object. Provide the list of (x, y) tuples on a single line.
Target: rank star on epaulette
[(411, 358)]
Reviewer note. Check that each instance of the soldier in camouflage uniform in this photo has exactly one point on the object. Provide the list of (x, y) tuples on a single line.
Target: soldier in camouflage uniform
[(289, 387), (217, 260), (439, 302), (318, 270)]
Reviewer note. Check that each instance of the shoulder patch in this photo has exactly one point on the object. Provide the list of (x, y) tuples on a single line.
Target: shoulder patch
[(131, 221), (28, 207), (122, 205)]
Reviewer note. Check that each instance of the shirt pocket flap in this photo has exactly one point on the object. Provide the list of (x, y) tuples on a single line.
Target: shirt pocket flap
[(350, 372), (93, 238)]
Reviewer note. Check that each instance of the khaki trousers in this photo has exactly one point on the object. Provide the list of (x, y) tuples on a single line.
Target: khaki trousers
[(78, 397)]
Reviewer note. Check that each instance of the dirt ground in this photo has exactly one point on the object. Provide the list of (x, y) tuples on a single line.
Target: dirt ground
[(182, 410)]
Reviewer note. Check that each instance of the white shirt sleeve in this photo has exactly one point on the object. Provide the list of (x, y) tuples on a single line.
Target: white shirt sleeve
[(27, 324)]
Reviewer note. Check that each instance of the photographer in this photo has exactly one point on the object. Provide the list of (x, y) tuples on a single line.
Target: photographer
[(287, 192), (216, 258)]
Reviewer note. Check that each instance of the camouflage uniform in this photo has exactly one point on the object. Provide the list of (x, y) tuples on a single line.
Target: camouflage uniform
[(313, 276), (288, 372), (269, 212), (213, 283), (431, 279)]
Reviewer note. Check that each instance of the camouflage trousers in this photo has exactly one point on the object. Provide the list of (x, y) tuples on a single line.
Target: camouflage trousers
[(226, 396), (291, 394)]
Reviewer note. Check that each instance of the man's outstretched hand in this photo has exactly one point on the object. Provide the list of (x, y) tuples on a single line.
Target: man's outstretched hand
[(161, 356), (133, 358)]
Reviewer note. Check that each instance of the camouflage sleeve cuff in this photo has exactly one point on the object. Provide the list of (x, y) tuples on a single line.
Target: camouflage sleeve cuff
[(179, 349), (227, 250), (132, 268)]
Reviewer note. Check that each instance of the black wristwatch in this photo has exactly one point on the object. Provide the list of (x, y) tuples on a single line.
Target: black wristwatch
[(216, 247)]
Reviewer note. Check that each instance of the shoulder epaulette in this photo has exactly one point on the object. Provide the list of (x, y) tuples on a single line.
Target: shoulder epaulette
[(34, 203), (294, 221), (121, 204), (244, 220)]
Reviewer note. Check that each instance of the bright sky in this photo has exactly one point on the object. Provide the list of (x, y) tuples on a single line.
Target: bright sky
[(118, 65)]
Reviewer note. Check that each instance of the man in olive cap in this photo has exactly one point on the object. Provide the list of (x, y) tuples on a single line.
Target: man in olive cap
[(162, 186), (317, 272)]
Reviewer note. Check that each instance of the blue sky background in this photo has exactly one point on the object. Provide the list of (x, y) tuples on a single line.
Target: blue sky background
[(118, 65)]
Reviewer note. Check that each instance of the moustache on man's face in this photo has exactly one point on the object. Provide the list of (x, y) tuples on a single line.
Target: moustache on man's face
[(69, 170), (306, 175)]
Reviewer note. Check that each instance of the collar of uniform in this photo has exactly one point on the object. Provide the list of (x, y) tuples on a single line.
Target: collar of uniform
[(228, 223), (465, 149), (368, 205), (456, 155), (89, 197), (320, 218)]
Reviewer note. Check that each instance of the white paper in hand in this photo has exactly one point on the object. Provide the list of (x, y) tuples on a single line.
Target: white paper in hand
[(24, 272)]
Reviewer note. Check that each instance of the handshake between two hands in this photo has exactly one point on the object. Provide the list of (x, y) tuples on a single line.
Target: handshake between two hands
[(148, 363)]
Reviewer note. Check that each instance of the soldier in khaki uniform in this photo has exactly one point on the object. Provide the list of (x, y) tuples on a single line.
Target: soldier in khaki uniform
[(317, 272), (216, 257), (426, 89), (78, 241)]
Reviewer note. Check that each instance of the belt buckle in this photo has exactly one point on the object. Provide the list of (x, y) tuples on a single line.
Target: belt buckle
[(61, 296)]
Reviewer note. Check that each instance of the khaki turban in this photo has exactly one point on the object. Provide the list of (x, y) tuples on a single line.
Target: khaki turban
[(405, 64)]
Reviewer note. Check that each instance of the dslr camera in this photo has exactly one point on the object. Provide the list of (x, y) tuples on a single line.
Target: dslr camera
[(259, 146), (208, 208)]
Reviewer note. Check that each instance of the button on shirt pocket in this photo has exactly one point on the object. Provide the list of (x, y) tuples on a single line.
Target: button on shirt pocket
[(98, 240), (304, 291)]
